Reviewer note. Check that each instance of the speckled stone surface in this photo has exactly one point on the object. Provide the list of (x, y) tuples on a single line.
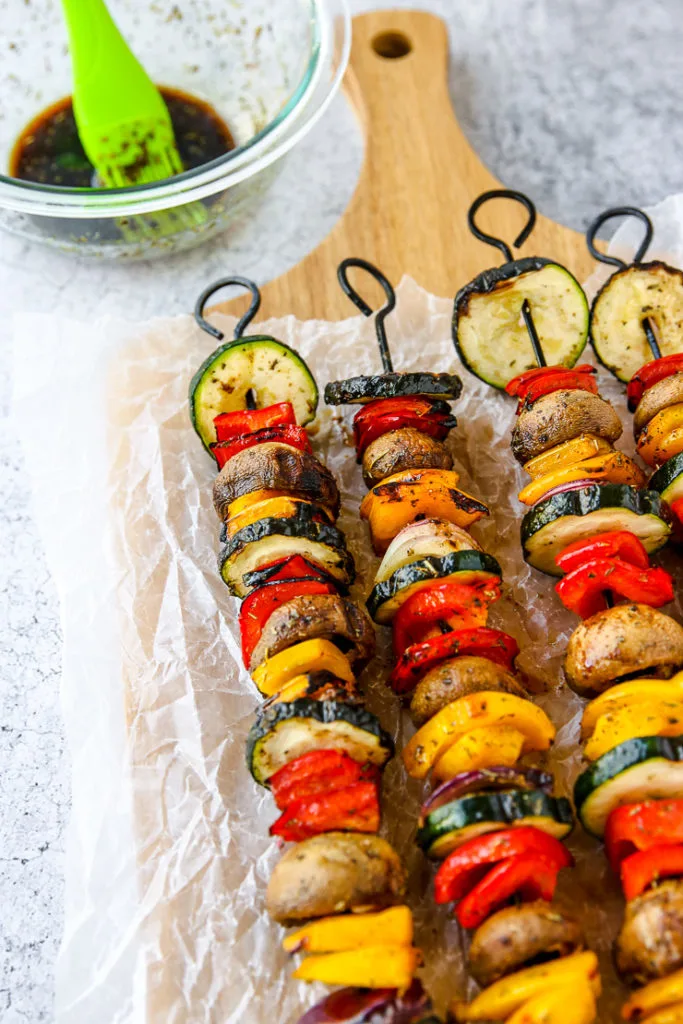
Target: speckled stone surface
[(576, 102)]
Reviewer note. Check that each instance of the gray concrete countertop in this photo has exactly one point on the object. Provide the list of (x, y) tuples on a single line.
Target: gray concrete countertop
[(575, 101)]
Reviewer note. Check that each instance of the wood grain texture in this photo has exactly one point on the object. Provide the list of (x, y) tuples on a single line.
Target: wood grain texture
[(419, 176)]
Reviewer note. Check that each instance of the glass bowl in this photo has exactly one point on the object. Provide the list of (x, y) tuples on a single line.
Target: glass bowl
[(269, 68)]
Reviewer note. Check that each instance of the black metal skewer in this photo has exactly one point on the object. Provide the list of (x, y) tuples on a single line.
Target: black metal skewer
[(361, 304), (380, 317), (504, 248), (242, 323), (615, 261)]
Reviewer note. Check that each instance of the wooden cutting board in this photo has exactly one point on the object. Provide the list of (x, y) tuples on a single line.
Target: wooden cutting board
[(408, 214)]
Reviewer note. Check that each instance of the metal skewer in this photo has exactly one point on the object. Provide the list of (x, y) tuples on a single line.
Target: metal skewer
[(615, 261), (361, 304), (504, 248), (380, 317), (242, 323)]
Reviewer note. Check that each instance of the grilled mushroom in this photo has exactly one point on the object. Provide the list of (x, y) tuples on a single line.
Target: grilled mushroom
[(515, 936), (457, 678), (619, 642), (317, 615), (332, 873), (559, 417), (406, 448), (657, 398), (274, 467), (650, 943)]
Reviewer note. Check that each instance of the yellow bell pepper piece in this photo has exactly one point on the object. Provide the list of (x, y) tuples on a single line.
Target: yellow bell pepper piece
[(368, 967), (636, 691), (413, 494), (659, 994), (663, 436), (626, 723), (481, 748), (283, 507), (309, 656), (585, 446), (566, 1004), (239, 505), (669, 1015), (504, 997), (392, 927), (474, 711), (612, 467), (293, 690)]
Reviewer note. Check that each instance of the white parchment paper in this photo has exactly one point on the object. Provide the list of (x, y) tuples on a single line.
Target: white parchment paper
[(168, 853)]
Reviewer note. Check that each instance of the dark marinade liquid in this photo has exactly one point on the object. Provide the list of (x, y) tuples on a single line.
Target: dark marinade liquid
[(49, 151)]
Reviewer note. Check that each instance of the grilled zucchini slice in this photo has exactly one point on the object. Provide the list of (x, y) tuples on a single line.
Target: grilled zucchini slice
[(466, 566), (647, 768), (359, 390), (653, 290), (668, 480), (285, 731), (454, 823), (560, 520), (271, 370), (269, 540), (488, 329)]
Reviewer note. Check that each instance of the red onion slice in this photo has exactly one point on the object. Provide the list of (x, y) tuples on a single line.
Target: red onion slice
[(499, 777), (370, 1006), (574, 485)]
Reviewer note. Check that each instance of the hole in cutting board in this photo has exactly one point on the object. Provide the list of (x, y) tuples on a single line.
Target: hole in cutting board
[(392, 45)]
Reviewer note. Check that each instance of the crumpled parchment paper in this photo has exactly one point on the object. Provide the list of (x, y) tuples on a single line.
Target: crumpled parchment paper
[(168, 852)]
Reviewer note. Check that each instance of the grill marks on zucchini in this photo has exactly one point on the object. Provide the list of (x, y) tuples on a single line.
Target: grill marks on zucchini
[(553, 524), (267, 540), (453, 824), (466, 566), (647, 768), (668, 480), (285, 731), (489, 333), (653, 290), (271, 370), (359, 390)]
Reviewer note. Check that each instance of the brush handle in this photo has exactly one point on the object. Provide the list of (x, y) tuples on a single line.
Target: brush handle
[(109, 83)]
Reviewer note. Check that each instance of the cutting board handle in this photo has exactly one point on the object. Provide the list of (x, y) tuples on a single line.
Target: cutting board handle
[(418, 179)]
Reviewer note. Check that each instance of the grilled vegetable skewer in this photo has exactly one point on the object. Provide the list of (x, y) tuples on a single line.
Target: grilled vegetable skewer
[(492, 820), (598, 535), (313, 744), (630, 795)]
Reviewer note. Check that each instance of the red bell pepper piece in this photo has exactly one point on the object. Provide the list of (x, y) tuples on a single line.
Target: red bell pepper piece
[(641, 826), (289, 568), (583, 590), (466, 865), (295, 437), (318, 771), (457, 605), (565, 380), (677, 509), (617, 543), (258, 606), (527, 875), (431, 416), (352, 809), (436, 426), (520, 384), (409, 405), (482, 642), (230, 425), (641, 869), (649, 374)]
